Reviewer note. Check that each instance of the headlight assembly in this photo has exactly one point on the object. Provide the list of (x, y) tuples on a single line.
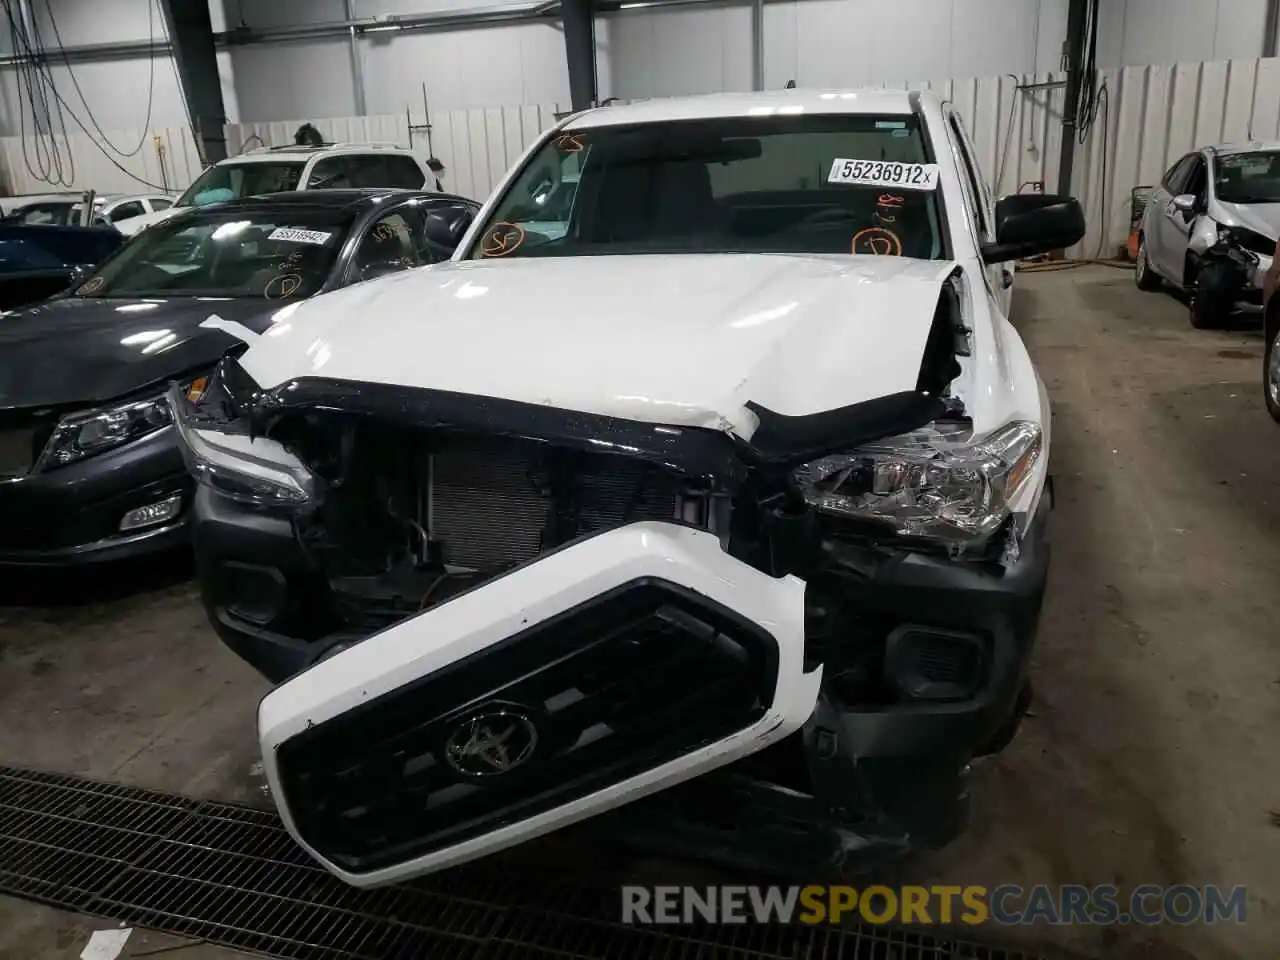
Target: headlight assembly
[(82, 435), (257, 471), (937, 483)]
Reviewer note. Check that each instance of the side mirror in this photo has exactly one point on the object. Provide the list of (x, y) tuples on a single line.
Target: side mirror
[(1185, 203), (446, 231), (78, 274), (1028, 224), (381, 268)]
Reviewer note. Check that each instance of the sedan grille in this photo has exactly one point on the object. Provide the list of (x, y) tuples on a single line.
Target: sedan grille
[(16, 455), (22, 437), (624, 683)]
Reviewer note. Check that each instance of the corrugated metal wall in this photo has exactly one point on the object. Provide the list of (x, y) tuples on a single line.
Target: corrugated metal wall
[(167, 163), (1147, 118)]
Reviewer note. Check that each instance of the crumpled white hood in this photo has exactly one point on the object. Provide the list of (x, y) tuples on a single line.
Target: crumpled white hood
[(685, 340)]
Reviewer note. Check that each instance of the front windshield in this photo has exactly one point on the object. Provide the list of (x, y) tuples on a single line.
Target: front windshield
[(1248, 177), (231, 181), (839, 183), (281, 256)]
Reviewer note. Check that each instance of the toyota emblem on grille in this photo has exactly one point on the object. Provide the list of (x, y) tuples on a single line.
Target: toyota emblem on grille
[(490, 743)]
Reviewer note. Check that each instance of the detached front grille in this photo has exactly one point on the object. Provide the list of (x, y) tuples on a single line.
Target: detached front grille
[(637, 677)]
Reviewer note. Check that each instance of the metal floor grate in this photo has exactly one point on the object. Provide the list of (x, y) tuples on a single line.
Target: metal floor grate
[(230, 875)]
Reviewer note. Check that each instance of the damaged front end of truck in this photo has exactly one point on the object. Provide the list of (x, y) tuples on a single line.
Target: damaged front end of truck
[(494, 619)]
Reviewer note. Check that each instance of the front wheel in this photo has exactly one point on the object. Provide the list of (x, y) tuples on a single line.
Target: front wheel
[(1271, 374), (1143, 275)]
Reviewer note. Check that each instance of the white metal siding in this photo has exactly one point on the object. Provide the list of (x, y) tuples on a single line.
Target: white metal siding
[(1154, 115)]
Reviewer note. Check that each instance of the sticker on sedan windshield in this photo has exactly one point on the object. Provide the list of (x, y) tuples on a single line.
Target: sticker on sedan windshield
[(318, 237), (884, 173)]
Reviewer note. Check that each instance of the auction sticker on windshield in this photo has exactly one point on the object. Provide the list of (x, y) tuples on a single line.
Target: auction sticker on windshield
[(884, 173), (318, 237)]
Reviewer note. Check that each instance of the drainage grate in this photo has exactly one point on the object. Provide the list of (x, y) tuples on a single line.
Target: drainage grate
[(231, 876)]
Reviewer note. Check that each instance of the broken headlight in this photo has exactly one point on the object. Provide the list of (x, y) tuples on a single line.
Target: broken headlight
[(82, 435), (938, 482), (253, 470)]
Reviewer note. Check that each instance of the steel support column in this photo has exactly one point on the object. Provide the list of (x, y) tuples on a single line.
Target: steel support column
[(191, 35), (1077, 26), (357, 66), (757, 44), (579, 23)]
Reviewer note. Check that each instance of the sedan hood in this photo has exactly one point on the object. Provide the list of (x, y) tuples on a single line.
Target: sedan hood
[(686, 340), (85, 351), (1263, 218)]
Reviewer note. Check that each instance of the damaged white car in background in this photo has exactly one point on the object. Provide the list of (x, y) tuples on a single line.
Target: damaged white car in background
[(717, 507)]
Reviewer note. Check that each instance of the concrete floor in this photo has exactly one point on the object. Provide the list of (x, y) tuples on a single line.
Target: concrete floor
[(1150, 756)]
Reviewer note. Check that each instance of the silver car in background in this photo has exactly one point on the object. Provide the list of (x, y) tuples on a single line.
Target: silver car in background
[(1210, 229)]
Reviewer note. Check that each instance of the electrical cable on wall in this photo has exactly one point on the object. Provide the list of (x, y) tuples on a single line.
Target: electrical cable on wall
[(50, 165), (1008, 133), (151, 80), (53, 169)]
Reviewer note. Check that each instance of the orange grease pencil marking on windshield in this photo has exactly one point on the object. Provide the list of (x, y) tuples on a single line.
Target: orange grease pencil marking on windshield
[(569, 143), (878, 241), (503, 238), (282, 286)]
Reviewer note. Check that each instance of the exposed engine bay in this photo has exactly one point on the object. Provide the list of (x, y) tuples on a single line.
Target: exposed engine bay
[(414, 513), (811, 630), (1226, 271), (415, 517)]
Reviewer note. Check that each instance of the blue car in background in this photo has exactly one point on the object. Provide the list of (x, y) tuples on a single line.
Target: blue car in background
[(39, 260)]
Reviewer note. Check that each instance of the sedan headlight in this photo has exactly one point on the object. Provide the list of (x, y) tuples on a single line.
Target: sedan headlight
[(936, 482), (82, 435), (253, 470)]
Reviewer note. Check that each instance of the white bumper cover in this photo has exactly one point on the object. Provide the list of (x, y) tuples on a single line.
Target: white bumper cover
[(473, 621)]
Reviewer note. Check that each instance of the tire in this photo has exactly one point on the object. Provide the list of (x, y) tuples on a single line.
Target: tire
[(1143, 275), (1271, 373)]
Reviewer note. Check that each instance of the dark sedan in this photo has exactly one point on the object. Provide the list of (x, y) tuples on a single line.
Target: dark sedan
[(89, 466), (37, 261)]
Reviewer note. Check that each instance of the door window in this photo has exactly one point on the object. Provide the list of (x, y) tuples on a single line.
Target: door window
[(133, 208), (403, 172), (330, 173), (975, 189), (451, 213), (367, 170), (1177, 175), (391, 243), (1197, 182), (46, 213), (972, 219), (161, 203)]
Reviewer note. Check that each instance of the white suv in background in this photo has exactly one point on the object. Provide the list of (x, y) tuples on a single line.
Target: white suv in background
[(280, 169)]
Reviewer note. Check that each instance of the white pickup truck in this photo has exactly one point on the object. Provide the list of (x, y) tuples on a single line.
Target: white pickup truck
[(716, 505)]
